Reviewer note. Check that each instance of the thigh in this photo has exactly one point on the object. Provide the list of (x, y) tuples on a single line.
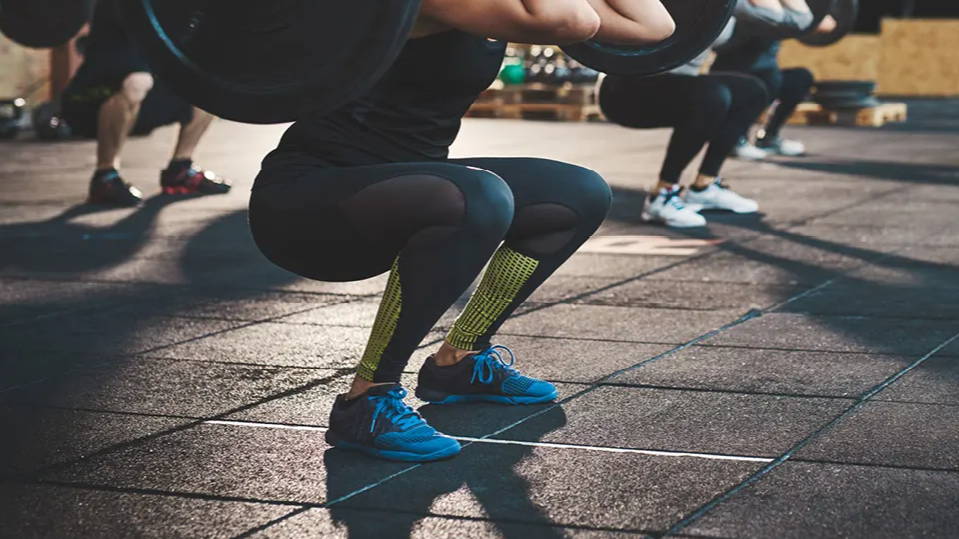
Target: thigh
[(350, 223), (743, 88)]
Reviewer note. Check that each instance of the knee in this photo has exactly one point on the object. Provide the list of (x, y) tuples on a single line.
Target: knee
[(716, 100), (804, 78), (586, 193), (756, 93), (488, 199), (136, 86)]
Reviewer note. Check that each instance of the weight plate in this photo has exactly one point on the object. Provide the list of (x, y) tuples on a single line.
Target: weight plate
[(860, 87), (851, 103), (698, 24), (43, 23), (269, 62), (845, 12)]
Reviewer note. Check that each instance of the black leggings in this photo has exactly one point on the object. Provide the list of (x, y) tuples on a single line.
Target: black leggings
[(790, 87), (716, 108), (436, 224)]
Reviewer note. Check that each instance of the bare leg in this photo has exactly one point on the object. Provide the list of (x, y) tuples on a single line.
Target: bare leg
[(117, 116), (191, 133)]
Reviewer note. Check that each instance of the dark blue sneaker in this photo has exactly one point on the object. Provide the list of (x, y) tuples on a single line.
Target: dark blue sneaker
[(482, 377), (380, 424)]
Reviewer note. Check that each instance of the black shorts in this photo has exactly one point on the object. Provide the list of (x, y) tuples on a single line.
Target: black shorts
[(81, 107)]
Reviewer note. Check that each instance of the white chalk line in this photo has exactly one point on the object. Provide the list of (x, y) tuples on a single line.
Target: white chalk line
[(551, 445)]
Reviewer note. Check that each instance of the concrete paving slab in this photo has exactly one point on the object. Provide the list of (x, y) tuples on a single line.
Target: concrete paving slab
[(787, 259), (158, 386), (892, 434), (693, 295), (854, 298), (933, 382), (678, 420), (24, 300), (255, 464), (105, 333), (34, 511), (359, 313), (875, 235), (39, 437), (231, 304), (632, 324), (602, 265), (838, 334), (767, 371), (292, 345), (341, 522), (800, 500), (540, 485)]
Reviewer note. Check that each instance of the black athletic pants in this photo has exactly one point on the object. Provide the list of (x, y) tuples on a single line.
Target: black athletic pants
[(790, 87), (717, 108), (436, 224)]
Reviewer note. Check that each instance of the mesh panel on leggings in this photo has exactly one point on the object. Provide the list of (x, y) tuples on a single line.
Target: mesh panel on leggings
[(508, 271), (384, 326)]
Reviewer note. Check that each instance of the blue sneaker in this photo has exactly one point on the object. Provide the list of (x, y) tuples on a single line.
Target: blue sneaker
[(382, 425), (482, 377)]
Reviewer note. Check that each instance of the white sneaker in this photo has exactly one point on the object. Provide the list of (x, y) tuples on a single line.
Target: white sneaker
[(670, 208), (720, 197), (782, 146), (747, 151)]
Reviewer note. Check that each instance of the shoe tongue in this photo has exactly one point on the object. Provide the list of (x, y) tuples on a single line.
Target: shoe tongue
[(382, 389)]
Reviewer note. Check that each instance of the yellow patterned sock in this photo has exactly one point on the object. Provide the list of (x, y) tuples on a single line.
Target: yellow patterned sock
[(384, 326), (508, 271)]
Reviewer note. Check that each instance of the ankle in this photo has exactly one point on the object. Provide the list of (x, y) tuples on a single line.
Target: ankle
[(660, 185), (449, 355), (360, 387), (179, 164), (703, 181)]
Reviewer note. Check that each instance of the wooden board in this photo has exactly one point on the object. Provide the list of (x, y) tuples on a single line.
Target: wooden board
[(813, 114)]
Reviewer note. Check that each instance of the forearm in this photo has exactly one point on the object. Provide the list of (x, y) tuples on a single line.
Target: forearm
[(524, 21), (633, 22)]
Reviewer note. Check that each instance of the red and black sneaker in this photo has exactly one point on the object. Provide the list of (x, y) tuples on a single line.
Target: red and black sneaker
[(189, 181), (107, 187)]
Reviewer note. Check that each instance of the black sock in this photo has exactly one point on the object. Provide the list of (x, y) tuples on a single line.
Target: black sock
[(105, 174), (698, 189), (179, 165)]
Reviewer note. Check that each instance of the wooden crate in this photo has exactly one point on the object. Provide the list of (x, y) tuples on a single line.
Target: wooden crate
[(814, 114), (537, 101)]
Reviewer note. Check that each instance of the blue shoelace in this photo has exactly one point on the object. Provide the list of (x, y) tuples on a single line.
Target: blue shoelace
[(489, 361), (392, 407)]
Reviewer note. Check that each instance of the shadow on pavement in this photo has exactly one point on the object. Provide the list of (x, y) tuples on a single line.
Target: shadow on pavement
[(488, 477)]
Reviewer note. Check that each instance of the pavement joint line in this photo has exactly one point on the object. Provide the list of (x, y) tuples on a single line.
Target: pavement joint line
[(861, 401), (877, 465), (271, 522), (502, 441), (190, 424), (156, 492), (729, 391), (754, 313)]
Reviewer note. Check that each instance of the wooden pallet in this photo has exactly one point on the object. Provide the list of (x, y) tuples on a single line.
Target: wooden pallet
[(536, 101), (814, 114)]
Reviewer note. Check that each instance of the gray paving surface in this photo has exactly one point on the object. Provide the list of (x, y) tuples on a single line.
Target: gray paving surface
[(797, 378)]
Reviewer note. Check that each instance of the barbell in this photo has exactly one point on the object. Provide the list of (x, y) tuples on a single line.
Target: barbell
[(275, 61)]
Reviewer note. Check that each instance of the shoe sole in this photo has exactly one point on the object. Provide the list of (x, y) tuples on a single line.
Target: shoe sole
[(672, 224), (437, 397), (388, 454), (180, 190)]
